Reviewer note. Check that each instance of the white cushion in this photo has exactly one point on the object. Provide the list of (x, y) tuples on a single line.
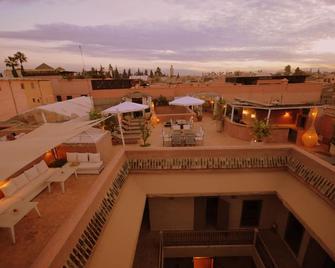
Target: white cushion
[(20, 181), (7, 202), (94, 158), (71, 157), (82, 157), (31, 173), (42, 167), (9, 189)]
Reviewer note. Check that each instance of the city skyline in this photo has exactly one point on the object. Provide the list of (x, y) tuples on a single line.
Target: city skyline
[(192, 35)]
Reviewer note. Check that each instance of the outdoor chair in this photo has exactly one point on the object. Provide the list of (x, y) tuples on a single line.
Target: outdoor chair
[(177, 140), (187, 127), (166, 138), (199, 136), (175, 127), (190, 140)]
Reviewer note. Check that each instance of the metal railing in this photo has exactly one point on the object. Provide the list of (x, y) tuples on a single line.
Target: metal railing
[(216, 238)]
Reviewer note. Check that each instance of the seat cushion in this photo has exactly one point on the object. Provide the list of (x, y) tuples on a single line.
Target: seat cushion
[(31, 173), (20, 181), (41, 167), (89, 165), (71, 157), (82, 157), (94, 158), (9, 188), (7, 202)]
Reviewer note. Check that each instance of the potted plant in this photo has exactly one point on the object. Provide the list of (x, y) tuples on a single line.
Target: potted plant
[(260, 130), (94, 114), (332, 143), (145, 134)]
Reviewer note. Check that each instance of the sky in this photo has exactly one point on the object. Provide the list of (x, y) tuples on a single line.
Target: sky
[(192, 35)]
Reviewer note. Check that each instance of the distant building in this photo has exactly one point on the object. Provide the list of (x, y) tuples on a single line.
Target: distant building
[(19, 95), (254, 80), (46, 70)]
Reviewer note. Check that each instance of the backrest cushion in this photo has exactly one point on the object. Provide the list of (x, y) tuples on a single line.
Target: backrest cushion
[(94, 158), (71, 157), (31, 173), (42, 167), (20, 181), (82, 157), (9, 188)]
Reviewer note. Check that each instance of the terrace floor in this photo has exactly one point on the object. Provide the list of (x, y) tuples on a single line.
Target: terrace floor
[(212, 136), (33, 232)]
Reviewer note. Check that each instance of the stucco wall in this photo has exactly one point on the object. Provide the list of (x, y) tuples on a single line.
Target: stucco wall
[(171, 213)]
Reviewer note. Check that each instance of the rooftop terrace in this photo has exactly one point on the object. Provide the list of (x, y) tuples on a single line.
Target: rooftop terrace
[(50, 239)]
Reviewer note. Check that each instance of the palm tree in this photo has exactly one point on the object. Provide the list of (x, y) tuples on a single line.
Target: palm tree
[(12, 62), (21, 58)]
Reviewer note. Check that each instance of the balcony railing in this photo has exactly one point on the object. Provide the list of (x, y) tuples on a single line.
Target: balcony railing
[(216, 238)]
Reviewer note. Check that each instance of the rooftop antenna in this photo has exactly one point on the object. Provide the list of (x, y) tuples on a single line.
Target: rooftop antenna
[(82, 57)]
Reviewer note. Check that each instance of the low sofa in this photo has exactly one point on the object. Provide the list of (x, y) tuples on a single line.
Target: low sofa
[(86, 163), (25, 186)]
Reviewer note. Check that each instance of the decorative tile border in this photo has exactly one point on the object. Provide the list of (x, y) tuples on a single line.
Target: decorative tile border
[(87, 241), (208, 163), (321, 184)]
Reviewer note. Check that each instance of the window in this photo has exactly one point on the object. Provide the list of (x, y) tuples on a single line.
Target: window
[(22, 86), (38, 100), (251, 212), (32, 85), (59, 98), (33, 99), (68, 97)]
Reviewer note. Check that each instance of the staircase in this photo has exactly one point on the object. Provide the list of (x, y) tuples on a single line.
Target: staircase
[(131, 131)]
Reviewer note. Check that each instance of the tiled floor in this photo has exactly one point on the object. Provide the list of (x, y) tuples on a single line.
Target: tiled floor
[(32, 232)]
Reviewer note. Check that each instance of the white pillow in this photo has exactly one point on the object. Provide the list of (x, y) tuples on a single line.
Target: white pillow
[(82, 157), (9, 189), (94, 158), (42, 167), (20, 181), (71, 157), (31, 173)]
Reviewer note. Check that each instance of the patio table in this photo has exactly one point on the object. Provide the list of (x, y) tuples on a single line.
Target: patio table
[(14, 214)]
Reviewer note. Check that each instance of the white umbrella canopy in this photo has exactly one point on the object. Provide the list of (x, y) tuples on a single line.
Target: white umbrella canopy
[(124, 107), (187, 101)]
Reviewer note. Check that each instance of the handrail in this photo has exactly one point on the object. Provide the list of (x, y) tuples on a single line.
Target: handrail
[(186, 238), (161, 247), (221, 238), (266, 258)]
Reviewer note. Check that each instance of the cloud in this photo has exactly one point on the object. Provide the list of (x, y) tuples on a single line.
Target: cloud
[(210, 31)]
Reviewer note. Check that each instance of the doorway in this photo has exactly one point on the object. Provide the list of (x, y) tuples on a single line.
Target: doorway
[(211, 212), (294, 233)]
